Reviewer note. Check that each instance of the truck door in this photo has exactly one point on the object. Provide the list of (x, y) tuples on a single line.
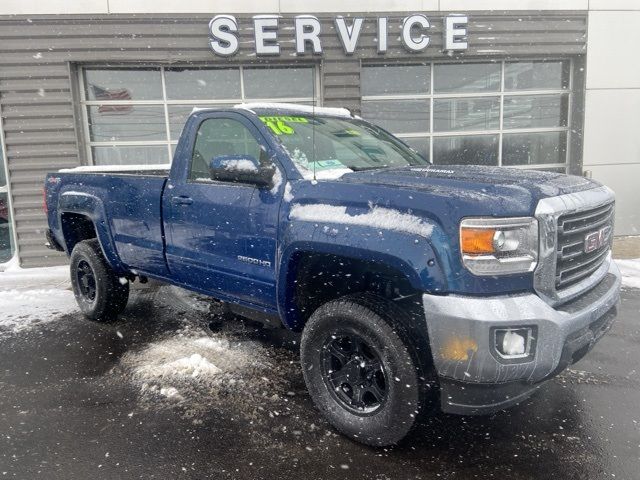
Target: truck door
[(208, 226)]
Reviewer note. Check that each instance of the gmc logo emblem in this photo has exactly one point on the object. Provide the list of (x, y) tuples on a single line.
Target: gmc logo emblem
[(595, 240)]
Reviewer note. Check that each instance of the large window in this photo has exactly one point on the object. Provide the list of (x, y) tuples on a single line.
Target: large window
[(512, 113), (136, 115), (6, 234)]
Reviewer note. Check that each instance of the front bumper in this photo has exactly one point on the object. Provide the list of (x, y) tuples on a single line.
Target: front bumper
[(474, 379)]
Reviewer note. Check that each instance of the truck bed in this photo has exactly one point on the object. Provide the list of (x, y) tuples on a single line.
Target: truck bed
[(125, 199)]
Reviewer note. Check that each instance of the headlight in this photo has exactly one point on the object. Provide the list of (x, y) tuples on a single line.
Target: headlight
[(498, 246)]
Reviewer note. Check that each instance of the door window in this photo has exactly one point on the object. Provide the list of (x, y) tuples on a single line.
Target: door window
[(217, 137)]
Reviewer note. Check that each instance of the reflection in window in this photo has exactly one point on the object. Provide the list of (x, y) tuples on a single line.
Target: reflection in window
[(6, 234), (534, 148), (6, 250), (398, 116), (129, 155), (456, 114), (529, 117), (536, 75), (136, 115), (466, 150), (395, 80), (535, 111), (199, 83), (113, 123), (466, 77), (122, 84), (420, 145), (278, 83)]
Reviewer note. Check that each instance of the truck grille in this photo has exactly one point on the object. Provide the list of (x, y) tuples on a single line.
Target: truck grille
[(574, 262)]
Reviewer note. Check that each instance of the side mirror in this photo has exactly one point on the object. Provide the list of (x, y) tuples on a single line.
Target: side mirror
[(242, 169)]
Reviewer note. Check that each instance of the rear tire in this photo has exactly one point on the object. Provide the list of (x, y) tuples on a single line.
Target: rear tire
[(363, 371), (99, 292)]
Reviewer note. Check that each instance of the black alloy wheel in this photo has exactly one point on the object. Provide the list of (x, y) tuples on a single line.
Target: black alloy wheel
[(86, 281), (365, 373), (354, 373), (100, 292)]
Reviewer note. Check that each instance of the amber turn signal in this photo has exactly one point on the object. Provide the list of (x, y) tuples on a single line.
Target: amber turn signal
[(477, 241)]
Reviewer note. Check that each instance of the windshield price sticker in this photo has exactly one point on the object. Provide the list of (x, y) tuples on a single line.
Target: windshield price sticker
[(278, 124)]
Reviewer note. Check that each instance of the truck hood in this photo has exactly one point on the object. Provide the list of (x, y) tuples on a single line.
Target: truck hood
[(465, 181)]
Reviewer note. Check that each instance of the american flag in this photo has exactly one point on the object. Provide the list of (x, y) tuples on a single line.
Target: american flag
[(105, 94)]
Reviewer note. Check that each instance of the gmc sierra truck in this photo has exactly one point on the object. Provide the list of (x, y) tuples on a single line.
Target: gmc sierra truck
[(414, 286)]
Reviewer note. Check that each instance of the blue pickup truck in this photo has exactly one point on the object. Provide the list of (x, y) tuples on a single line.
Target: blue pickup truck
[(414, 286)]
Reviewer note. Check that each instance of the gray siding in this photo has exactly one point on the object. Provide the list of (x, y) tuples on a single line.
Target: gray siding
[(38, 55)]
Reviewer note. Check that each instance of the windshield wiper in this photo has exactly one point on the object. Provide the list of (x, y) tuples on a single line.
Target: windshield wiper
[(362, 169)]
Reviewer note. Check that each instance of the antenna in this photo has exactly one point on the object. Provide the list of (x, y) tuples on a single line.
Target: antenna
[(313, 124)]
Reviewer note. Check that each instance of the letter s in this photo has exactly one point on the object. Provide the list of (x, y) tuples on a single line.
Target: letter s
[(222, 35)]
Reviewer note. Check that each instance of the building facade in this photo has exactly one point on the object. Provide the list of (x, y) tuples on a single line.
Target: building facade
[(551, 85)]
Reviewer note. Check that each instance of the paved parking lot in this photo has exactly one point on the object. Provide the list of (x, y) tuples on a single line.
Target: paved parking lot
[(159, 395)]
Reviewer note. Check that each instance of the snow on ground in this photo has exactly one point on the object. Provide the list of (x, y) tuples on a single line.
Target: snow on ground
[(630, 272), (198, 370), (32, 297)]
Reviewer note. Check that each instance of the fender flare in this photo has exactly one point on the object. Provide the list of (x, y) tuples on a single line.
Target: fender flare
[(92, 207), (420, 278)]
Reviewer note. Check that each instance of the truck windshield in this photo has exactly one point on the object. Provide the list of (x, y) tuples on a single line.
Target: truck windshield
[(340, 144)]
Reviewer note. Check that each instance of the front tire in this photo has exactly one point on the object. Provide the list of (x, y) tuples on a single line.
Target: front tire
[(99, 292), (362, 370)]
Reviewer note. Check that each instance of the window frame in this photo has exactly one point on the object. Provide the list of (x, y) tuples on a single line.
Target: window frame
[(6, 188), (166, 103), (501, 93), (250, 129)]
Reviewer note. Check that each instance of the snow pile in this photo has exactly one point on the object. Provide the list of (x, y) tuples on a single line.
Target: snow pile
[(376, 217), (630, 270), (197, 371)]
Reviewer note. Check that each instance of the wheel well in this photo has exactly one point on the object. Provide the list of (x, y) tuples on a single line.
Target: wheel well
[(76, 228), (320, 278)]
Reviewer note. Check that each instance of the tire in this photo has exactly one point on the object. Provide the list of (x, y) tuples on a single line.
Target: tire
[(98, 291), (375, 406)]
